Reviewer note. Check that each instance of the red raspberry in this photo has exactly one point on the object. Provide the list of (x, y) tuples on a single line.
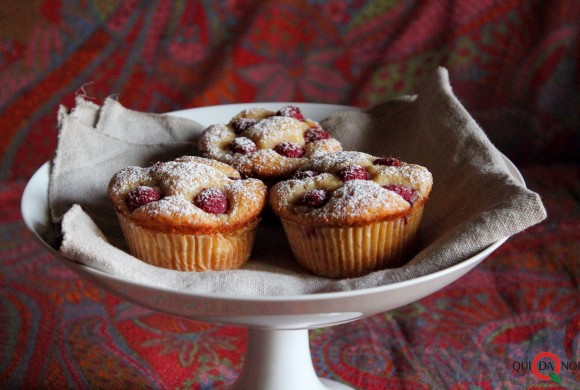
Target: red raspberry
[(354, 172), (288, 149), (291, 111), (211, 200), (140, 196), (388, 161), (407, 193), (304, 174), (243, 124), (315, 198), (315, 134), (243, 145)]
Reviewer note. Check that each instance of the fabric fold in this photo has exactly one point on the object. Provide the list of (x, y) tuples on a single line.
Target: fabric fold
[(95, 142), (475, 201)]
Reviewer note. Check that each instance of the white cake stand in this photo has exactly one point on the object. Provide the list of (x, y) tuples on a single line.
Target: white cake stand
[(278, 355)]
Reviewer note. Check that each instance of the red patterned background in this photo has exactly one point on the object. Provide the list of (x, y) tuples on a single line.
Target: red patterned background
[(513, 64)]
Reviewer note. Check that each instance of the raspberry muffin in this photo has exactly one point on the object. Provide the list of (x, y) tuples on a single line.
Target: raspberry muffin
[(190, 214), (347, 214), (267, 145)]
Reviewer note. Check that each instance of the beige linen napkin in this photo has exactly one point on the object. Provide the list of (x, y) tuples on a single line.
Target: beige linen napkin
[(475, 201), (95, 142)]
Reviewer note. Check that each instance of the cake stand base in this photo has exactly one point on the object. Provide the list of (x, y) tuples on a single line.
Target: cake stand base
[(281, 360)]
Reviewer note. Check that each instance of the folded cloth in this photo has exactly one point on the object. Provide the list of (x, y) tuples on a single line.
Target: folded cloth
[(95, 142), (475, 200)]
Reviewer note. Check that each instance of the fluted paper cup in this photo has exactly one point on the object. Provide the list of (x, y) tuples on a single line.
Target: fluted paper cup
[(344, 252), (189, 252)]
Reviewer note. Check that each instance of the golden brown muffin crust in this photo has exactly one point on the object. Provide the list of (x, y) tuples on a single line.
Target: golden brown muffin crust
[(268, 131), (179, 182), (352, 202)]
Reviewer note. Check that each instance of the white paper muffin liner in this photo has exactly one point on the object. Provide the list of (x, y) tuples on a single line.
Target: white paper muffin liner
[(343, 252), (189, 252)]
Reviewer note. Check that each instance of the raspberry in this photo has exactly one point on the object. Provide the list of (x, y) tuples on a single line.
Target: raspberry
[(304, 174), (315, 198), (388, 161), (211, 200), (243, 145), (291, 111), (315, 134), (354, 172), (288, 149), (140, 196), (242, 124), (405, 192)]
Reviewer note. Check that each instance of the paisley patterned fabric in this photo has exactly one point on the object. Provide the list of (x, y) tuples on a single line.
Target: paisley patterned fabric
[(513, 64)]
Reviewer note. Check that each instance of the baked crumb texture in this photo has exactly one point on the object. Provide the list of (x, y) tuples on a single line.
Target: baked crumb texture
[(350, 213), (190, 214), (265, 144)]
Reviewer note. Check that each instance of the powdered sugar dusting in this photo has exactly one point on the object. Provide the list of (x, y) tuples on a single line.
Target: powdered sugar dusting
[(128, 178), (173, 207), (256, 113), (410, 175), (215, 141), (193, 192), (186, 178), (211, 200), (243, 145), (336, 161), (352, 200), (271, 131), (246, 189), (268, 132), (355, 197)]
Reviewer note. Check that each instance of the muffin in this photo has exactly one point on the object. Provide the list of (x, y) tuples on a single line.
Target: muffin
[(189, 214), (347, 214), (267, 145)]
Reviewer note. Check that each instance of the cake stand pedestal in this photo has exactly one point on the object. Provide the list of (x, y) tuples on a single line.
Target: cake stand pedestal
[(281, 360)]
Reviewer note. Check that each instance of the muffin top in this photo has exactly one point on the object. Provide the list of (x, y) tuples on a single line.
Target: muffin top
[(189, 195), (265, 144), (351, 189)]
